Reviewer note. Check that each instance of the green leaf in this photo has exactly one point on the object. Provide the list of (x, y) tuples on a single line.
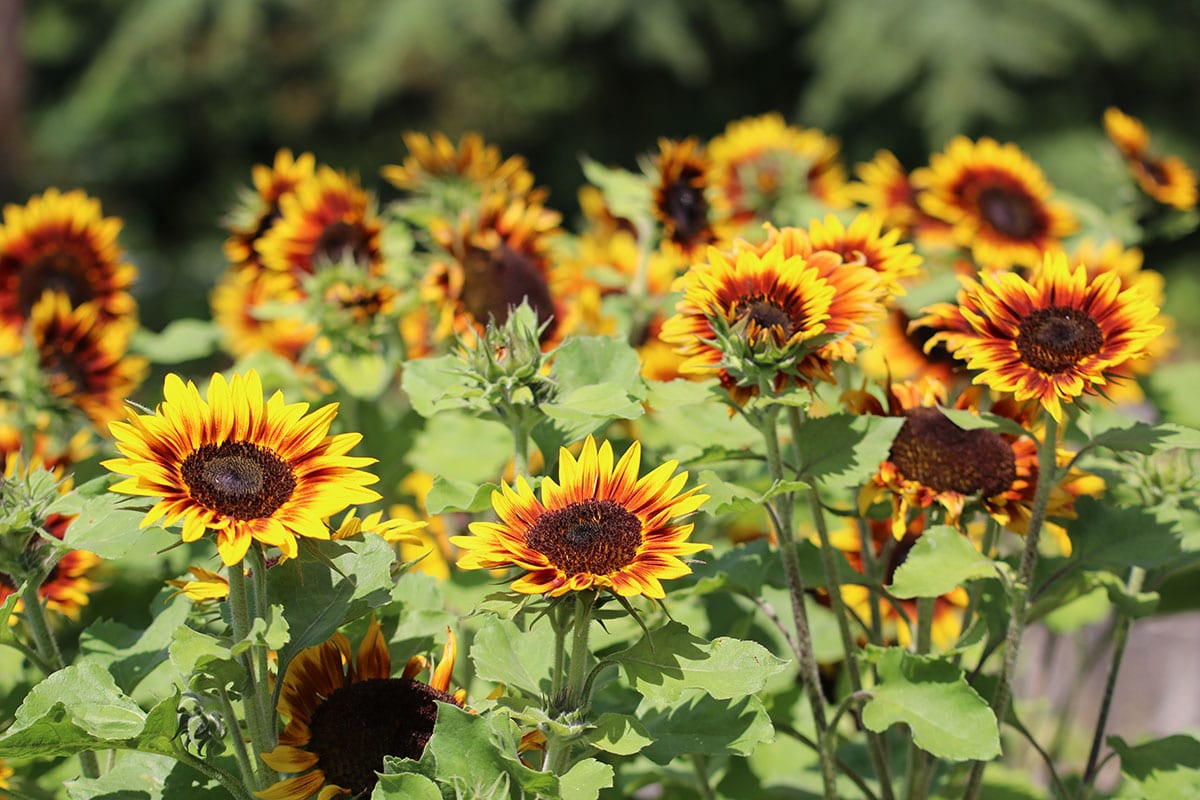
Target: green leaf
[(181, 340), (480, 449), (408, 786), (315, 602), (845, 449), (946, 716), (104, 528), (705, 725), (361, 375), (969, 421), (1147, 439), (448, 494), (741, 569), (437, 384), (1107, 537), (619, 733), (584, 361), (671, 660), (581, 410), (129, 655), (627, 194), (725, 496), (503, 653), (941, 559), (156, 777), (584, 780), (1164, 769)]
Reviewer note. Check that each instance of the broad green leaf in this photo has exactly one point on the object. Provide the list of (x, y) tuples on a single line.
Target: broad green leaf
[(619, 733), (1108, 537), (104, 528), (940, 560), (845, 449), (503, 653), (584, 780), (626, 193), (408, 786), (361, 375), (462, 447), (969, 421), (204, 661), (725, 496), (315, 602), (1164, 769), (1144, 438), (156, 777), (128, 654), (584, 361), (367, 563), (946, 716), (671, 660), (447, 494), (581, 410), (743, 569), (706, 725), (181, 340), (438, 384), (7, 608)]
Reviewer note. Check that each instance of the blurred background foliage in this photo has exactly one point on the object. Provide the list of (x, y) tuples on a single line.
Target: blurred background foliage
[(161, 107)]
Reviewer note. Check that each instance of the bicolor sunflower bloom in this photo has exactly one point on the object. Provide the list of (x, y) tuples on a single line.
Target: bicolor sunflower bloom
[(885, 189), (865, 242), (759, 162), (933, 460), (500, 257), (325, 218), (259, 209), (1052, 338), (1168, 179), (60, 242), (598, 527), (434, 160), (680, 198), (235, 300), (81, 355), (998, 201), (897, 617), (899, 349), (345, 713), (248, 468)]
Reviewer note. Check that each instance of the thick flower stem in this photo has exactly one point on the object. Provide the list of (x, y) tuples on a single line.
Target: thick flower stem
[(918, 763), (791, 570), (232, 785), (258, 572), (47, 650), (573, 698), (1120, 639), (519, 429), (239, 614), (1047, 475), (245, 767)]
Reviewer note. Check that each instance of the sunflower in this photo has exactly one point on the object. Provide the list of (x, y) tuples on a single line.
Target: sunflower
[(346, 712), (259, 209), (885, 189), (898, 349), (327, 217), (1053, 338), (499, 258), (1168, 180), (207, 586), (758, 162), (60, 242), (680, 199), (81, 356), (434, 160), (249, 468), (997, 199), (599, 526), (238, 297), (897, 617), (864, 242), (933, 460)]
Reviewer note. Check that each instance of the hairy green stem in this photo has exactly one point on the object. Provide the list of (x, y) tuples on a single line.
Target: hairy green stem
[(574, 697), (1120, 638), (47, 649), (845, 768), (263, 693), (917, 763), (520, 437), (871, 569), (791, 569), (245, 766), (700, 766), (1047, 476), (238, 789), (239, 614)]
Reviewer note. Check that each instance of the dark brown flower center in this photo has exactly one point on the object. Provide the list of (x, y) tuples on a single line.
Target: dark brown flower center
[(238, 479), (497, 280), (62, 269), (683, 203), (1009, 211), (597, 537), (1055, 339), (933, 451), (343, 241), (359, 724)]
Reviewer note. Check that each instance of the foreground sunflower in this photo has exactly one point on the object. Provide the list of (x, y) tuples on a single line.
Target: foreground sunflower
[(346, 713), (1053, 338), (248, 468), (599, 526)]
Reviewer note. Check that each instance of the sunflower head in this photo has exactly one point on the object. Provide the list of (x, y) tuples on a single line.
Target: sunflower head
[(1052, 338), (345, 713), (436, 166), (258, 210), (886, 190), (237, 305), (61, 243), (680, 197), (599, 526), (1167, 179), (248, 468)]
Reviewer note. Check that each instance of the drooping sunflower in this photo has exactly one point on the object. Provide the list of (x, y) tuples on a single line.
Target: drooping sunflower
[(235, 300), (680, 199), (328, 217), (599, 526), (251, 469), (61, 242), (885, 189), (345, 713), (998, 201), (1052, 338), (499, 257), (259, 209), (1168, 179), (933, 460), (82, 357), (758, 162), (433, 160)]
